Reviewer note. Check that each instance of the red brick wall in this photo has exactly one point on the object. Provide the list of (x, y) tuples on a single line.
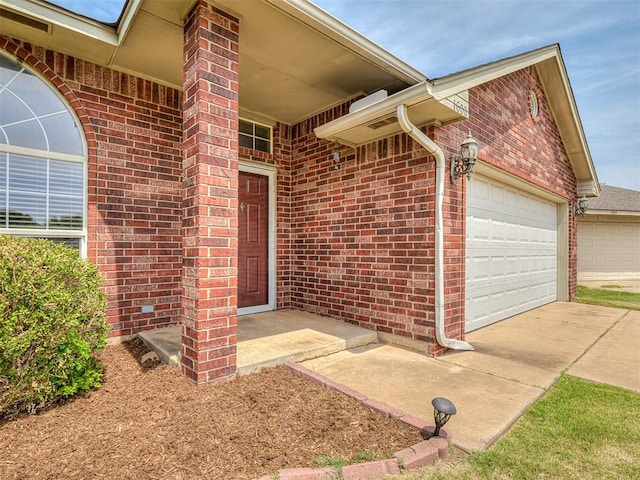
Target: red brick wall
[(133, 131), (363, 234), (210, 220), (511, 139)]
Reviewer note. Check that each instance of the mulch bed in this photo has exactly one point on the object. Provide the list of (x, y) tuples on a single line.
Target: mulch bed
[(150, 422)]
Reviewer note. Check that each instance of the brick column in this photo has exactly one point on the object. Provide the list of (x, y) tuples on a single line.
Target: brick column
[(209, 225)]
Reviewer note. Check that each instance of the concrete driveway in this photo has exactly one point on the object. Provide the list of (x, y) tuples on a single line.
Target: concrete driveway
[(514, 363)]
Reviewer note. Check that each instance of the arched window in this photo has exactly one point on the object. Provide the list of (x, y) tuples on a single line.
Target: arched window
[(42, 161)]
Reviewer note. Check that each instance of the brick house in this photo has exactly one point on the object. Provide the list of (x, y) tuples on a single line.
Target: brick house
[(218, 160)]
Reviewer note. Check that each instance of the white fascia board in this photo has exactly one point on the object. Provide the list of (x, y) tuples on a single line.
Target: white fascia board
[(617, 213), (588, 188), (467, 79), (52, 14), (131, 10), (312, 15), (578, 125)]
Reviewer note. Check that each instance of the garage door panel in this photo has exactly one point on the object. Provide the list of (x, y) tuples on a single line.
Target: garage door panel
[(544, 282), (492, 231), (511, 252), (608, 251), (516, 297), (509, 261)]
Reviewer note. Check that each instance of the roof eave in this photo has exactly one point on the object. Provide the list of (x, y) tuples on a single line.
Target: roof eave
[(424, 107), (617, 213), (54, 15), (322, 21), (552, 72), (557, 87)]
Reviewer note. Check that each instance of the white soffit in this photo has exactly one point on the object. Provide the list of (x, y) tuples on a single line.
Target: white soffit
[(151, 46), (295, 59), (322, 21), (292, 67)]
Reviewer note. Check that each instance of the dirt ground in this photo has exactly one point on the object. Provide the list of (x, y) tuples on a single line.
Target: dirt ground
[(150, 422)]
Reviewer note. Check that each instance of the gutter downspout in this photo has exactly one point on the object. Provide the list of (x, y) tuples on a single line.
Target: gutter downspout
[(434, 149)]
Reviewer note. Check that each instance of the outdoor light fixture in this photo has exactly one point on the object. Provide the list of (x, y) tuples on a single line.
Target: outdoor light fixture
[(581, 206), (336, 160), (442, 411), (463, 164)]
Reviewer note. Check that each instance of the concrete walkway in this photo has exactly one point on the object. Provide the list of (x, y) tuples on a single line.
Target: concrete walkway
[(615, 358), (515, 362)]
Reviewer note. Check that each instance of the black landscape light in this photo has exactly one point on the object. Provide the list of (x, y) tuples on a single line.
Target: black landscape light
[(442, 411)]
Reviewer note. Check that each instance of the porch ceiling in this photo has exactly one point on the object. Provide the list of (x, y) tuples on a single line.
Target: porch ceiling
[(295, 59)]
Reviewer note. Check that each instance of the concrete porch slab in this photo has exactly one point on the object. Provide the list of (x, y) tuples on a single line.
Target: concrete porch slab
[(165, 342), (515, 361), (272, 338)]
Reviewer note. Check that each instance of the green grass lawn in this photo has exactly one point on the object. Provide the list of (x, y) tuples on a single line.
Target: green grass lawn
[(608, 297), (578, 430)]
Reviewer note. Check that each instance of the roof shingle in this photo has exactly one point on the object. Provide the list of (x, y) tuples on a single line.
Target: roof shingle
[(614, 198)]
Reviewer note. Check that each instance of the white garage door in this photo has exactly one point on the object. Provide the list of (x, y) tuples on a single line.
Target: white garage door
[(511, 257), (608, 251)]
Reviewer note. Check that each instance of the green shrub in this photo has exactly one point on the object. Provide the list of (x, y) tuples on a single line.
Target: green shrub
[(52, 321)]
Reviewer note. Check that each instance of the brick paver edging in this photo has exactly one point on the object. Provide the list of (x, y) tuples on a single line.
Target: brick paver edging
[(418, 455)]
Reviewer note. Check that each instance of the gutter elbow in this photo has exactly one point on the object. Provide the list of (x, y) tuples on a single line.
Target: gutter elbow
[(403, 119), (417, 134), (451, 343)]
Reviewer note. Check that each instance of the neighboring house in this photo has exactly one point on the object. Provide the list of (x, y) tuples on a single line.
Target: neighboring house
[(609, 236), (205, 157)]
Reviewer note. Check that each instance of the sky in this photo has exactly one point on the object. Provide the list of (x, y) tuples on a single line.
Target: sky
[(102, 10), (599, 40)]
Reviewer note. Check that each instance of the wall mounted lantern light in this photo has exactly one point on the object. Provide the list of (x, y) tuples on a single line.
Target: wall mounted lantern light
[(463, 164), (336, 160), (581, 206), (443, 408)]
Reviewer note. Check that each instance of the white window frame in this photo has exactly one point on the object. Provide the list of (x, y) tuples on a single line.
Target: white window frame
[(49, 155), (254, 137)]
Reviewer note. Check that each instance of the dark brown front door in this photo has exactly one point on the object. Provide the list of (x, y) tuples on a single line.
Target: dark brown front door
[(253, 240)]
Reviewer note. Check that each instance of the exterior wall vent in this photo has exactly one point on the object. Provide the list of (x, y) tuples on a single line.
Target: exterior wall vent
[(382, 122), (24, 20)]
